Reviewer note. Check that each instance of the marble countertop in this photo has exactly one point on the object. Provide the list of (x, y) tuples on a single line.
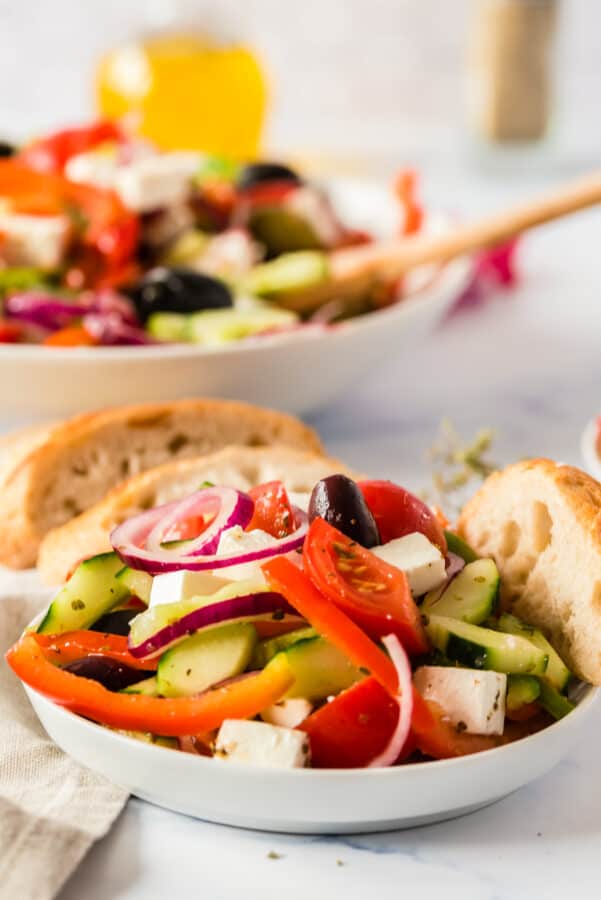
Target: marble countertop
[(528, 364)]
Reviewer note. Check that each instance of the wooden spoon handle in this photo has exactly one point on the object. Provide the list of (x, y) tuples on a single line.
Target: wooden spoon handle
[(394, 258)]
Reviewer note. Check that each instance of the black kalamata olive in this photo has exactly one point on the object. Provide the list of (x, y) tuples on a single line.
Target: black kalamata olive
[(339, 501), (264, 172), (116, 622), (110, 673), (7, 150), (178, 290)]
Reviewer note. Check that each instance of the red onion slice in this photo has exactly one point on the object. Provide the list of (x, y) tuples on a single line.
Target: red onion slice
[(454, 565), (131, 540), (247, 607), (404, 698), (139, 540)]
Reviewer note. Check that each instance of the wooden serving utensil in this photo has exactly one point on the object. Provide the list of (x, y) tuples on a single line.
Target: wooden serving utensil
[(351, 272)]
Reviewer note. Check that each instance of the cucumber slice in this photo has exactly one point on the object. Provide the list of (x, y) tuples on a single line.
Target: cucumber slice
[(206, 658), (458, 546), (557, 673), (552, 701), (213, 328), (136, 582), (149, 687), (267, 649), (320, 669), (166, 326), (521, 690), (471, 596), (282, 230), (482, 648), (289, 272), (91, 592)]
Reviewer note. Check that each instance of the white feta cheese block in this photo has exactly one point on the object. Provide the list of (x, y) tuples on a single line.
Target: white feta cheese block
[(172, 587), (288, 713), (38, 241), (236, 541), (473, 700), (157, 181), (93, 168), (421, 561), (261, 744)]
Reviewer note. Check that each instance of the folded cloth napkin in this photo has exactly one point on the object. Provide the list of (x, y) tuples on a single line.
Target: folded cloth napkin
[(51, 808)]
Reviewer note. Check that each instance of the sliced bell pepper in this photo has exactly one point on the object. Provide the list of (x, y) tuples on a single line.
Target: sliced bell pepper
[(72, 645), (71, 336), (51, 153), (175, 717), (330, 621)]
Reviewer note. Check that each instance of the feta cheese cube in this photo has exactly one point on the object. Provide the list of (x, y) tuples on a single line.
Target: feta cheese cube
[(172, 587), (93, 168), (287, 713), (157, 181), (261, 744), (236, 541), (38, 241), (473, 700), (420, 560)]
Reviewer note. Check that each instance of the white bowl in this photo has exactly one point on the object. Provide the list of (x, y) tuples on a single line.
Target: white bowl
[(298, 372), (312, 801)]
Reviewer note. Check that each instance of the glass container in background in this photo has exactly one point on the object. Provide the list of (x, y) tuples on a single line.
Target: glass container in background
[(511, 70), (187, 82)]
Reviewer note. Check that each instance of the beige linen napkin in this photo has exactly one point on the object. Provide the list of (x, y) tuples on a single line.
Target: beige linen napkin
[(51, 809)]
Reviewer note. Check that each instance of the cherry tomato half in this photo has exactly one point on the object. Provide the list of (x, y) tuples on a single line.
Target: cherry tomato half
[(375, 595), (398, 512), (273, 512), (51, 153)]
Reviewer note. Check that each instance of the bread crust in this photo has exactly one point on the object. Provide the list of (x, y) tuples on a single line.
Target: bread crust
[(58, 471), (541, 522), (239, 467)]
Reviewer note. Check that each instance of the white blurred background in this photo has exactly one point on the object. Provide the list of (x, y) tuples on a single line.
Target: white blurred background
[(385, 79)]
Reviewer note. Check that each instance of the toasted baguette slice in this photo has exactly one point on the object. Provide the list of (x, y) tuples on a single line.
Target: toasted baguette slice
[(55, 475), (541, 522), (239, 467)]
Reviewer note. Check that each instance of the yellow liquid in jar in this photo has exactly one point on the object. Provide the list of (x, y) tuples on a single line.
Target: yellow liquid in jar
[(187, 93)]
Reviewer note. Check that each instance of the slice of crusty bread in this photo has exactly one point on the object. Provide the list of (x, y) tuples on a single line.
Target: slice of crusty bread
[(52, 475), (541, 522), (239, 467)]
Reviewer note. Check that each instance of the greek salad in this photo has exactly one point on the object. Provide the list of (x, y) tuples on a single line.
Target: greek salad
[(346, 629), (106, 240)]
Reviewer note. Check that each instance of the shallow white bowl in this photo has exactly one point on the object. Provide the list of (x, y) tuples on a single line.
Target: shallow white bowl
[(320, 801), (298, 372)]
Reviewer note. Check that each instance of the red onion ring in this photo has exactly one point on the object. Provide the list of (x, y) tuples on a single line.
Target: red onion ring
[(130, 540), (138, 540), (455, 564), (248, 606), (404, 698)]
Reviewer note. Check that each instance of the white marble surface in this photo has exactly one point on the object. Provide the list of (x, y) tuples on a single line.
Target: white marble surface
[(529, 365)]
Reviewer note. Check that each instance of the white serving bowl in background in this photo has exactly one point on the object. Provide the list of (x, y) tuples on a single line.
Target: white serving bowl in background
[(312, 801), (297, 372)]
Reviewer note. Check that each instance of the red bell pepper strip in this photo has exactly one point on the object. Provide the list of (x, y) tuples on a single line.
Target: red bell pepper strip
[(174, 717), (405, 189), (52, 153), (330, 621), (72, 645), (70, 336)]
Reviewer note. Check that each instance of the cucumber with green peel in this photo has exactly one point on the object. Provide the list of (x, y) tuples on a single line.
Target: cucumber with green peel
[(471, 596), (168, 326), (521, 691), (557, 673), (459, 547), (136, 582), (212, 328), (482, 648), (319, 668), (92, 591), (206, 658), (149, 687), (283, 230), (267, 649), (289, 272), (552, 701)]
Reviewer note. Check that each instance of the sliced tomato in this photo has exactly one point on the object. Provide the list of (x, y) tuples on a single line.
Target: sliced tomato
[(353, 728), (398, 512), (269, 193), (11, 332), (434, 735), (372, 593), (51, 153), (273, 511)]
